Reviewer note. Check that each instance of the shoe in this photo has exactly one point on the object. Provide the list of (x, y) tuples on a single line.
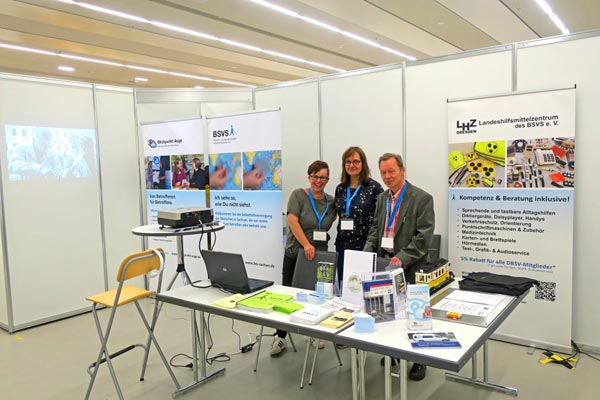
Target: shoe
[(340, 346), (417, 372), (317, 343), (278, 345), (394, 361)]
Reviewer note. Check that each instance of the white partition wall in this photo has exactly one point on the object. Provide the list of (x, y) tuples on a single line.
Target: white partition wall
[(121, 197), (53, 222), (428, 86), (361, 110), (300, 129), (547, 64)]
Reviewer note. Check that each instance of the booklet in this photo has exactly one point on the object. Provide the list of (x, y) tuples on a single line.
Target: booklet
[(337, 320), (263, 301), (311, 315), (432, 339)]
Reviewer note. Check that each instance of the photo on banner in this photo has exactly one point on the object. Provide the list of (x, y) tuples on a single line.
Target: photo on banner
[(175, 177), (245, 174), (511, 179)]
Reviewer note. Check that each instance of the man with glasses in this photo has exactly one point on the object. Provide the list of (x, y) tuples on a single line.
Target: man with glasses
[(403, 226)]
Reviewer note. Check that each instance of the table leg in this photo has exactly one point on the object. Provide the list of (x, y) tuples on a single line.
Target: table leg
[(403, 380), (473, 381), (354, 361), (387, 381), (201, 378), (361, 373)]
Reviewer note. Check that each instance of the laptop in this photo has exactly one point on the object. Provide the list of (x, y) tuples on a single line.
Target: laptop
[(227, 270)]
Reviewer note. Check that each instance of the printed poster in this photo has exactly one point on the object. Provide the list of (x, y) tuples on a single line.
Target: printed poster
[(246, 189), (511, 179)]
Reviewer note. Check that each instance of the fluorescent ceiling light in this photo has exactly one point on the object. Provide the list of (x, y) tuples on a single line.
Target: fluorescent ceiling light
[(140, 79), (114, 64), (332, 28), (66, 69), (207, 36), (198, 87), (559, 24)]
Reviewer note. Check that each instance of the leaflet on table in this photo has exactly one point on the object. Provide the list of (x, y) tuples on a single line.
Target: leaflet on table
[(338, 304), (229, 301), (419, 310), (432, 339)]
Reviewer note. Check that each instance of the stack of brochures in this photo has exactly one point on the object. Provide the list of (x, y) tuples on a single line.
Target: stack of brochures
[(311, 315), (263, 302)]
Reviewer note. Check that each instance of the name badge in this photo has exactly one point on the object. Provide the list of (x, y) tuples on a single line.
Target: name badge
[(319, 236), (347, 224), (387, 243)]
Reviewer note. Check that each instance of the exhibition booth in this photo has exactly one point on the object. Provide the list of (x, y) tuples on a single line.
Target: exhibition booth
[(63, 238)]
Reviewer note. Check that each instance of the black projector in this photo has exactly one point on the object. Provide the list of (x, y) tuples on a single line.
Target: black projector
[(186, 216)]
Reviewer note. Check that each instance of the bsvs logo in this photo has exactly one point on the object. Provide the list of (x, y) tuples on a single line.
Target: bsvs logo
[(466, 127), (152, 143), (224, 132)]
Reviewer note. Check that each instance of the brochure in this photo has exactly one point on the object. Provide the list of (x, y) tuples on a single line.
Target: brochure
[(432, 339), (337, 320), (311, 315), (263, 301)]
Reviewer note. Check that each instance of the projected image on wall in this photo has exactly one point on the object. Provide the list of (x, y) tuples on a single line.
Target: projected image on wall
[(34, 152)]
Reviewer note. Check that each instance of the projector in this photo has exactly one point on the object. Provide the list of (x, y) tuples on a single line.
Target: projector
[(186, 216)]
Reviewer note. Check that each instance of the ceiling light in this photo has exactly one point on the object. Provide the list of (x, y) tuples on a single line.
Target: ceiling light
[(198, 87), (331, 28), (114, 64), (140, 79), (559, 24), (207, 36), (66, 69)]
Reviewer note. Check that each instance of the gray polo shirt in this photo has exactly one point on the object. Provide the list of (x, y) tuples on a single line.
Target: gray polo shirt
[(299, 205)]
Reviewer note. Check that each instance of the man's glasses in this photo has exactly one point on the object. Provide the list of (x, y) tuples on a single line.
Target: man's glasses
[(352, 162), (319, 178)]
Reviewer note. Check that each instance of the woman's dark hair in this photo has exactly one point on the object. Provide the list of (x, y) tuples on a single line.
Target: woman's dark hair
[(316, 166), (365, 173)]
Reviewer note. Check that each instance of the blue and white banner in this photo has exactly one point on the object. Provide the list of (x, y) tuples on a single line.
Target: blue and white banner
[(511, 181), (245, 182), (175, 176)]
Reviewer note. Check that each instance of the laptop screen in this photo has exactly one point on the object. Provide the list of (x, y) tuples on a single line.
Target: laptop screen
[(226, 269)]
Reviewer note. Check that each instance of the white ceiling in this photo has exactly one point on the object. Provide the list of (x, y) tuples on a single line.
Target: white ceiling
[(417, 28)]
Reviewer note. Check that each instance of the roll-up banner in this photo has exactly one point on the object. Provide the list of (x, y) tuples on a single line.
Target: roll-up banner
[(511, 184), (245, 183), (175, 176)]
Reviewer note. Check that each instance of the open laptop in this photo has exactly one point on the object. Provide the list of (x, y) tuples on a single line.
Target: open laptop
[(228, 271)]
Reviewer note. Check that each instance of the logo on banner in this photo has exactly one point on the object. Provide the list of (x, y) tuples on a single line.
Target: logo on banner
[(152, 143), (466, 127), (224, 132)]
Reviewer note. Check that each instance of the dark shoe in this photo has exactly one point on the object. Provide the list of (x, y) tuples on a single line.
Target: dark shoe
[(395, 361), (417, 372)]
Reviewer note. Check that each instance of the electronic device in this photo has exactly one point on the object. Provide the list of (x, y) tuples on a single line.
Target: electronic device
[(456, 159), (228, 271), (185, 216), (544, 157), (527, 151)]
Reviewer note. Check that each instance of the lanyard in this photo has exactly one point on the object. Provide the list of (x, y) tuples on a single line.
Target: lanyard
[(396, 206), (314, 207), (349, 198)]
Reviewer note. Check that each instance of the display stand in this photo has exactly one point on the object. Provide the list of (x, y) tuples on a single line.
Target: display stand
[(198, 342)]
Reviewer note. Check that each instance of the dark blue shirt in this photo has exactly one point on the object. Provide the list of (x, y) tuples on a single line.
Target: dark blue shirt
[(362, 210)]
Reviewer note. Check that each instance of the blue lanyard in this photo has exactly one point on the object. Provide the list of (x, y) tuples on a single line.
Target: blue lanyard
[(314, 207), (396, 206), (349, 198)]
